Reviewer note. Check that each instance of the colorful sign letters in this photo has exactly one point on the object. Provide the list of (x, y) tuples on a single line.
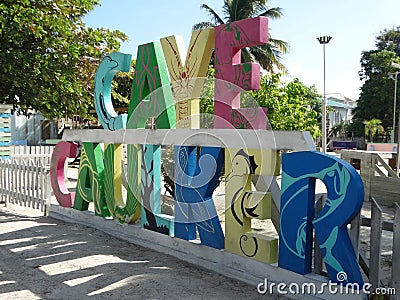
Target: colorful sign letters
[(61, 152), (345, 199), (166, 90)]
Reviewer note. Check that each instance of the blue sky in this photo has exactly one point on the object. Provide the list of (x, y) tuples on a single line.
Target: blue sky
[(353, 24)]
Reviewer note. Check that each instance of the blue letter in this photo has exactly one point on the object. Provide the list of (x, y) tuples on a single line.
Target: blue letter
[(345, 199), (195, 182)]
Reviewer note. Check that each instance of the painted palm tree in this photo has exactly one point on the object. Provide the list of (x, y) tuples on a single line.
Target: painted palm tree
[(269, 55)]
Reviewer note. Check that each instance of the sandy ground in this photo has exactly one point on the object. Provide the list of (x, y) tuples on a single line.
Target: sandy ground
[(43, 258)]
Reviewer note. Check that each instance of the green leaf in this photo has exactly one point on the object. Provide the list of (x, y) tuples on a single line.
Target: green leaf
[(44, 47)]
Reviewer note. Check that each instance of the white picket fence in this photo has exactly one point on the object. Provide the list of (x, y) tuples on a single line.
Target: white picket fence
[(40, 154), (24, 179)]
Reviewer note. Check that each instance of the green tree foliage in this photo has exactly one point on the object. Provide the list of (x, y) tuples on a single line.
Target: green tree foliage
[(389, 39), (377, 92), (48, 57), (121, 87), (291, 106), (207, 101), (373, 128), (269, 55)]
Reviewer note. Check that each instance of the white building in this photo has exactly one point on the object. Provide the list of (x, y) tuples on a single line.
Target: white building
[(343, 107)]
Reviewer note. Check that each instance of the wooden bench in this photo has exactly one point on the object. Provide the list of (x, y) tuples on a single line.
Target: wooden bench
[(382, 147), (338, 145)]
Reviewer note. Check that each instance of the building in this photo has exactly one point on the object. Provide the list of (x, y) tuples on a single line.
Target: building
[(32, 130), (5, 131), (343, 107)]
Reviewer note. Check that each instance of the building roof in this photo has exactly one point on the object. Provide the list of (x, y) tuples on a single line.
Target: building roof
[(337, 104)]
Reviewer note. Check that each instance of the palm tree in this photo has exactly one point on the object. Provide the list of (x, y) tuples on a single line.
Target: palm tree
[(373, 127), (269, 55), (338, 130)]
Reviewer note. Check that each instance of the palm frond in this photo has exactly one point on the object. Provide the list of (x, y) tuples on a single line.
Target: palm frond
[(215, 18), (272, 13), (279, 44), (268, 56), (246, 55), (240, 9), (202, 25)]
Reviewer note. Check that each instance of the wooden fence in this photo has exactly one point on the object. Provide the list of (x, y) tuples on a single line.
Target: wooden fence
[(379, 178), (26, 183), (24, 180), (372, 266), (39, 154)]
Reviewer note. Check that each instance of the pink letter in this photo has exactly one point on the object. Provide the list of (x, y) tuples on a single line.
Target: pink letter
[(61, 152), (232, 76)]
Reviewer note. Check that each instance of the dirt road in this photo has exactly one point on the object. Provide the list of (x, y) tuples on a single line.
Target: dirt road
[(43, 258)]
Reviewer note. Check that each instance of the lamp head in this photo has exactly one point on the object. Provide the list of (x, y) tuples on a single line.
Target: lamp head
[(324, 39)]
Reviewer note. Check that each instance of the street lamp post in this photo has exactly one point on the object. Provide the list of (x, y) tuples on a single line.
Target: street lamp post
[(394, 106), (397, 66), (323, 40)]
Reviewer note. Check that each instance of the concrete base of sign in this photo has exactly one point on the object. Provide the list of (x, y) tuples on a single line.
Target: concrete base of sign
[(225, 263)]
